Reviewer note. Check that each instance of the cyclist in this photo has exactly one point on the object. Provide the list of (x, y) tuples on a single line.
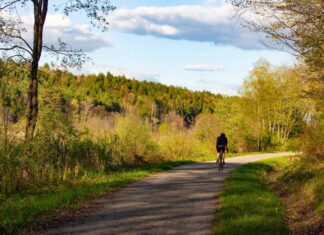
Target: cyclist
[(221, 146)]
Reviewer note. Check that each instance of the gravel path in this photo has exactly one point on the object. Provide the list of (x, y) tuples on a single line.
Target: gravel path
[(179, 201)]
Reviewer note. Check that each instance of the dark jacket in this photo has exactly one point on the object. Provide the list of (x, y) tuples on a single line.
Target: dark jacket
[(221, 141)]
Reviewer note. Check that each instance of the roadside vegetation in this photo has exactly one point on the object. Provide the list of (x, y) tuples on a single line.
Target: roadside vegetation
[(79, 130), (36, 205), (92, 125), (296, 27), (247, 205), (274, 196), (300, 187)]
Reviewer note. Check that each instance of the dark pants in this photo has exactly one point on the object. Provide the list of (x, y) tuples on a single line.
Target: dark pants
[(221, 149)]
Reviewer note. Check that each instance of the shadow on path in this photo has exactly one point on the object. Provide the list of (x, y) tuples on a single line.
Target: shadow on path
[(179, 201)]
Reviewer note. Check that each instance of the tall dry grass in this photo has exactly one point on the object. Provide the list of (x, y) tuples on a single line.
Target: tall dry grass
[(61, 153)]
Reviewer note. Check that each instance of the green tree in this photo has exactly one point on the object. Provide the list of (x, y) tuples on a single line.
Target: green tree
[(272, 103), (15, 46)]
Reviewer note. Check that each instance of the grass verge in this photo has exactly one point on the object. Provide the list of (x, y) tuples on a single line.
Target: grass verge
[(27, 207), (23, 209), (301, 188), (247, 203)]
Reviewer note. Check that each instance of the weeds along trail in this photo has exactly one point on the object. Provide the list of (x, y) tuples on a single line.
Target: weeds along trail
[(180, 201)]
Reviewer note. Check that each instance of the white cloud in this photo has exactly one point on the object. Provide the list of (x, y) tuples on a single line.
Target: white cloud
[(204, 67), (78, 36), (202, 23), (52, 20)]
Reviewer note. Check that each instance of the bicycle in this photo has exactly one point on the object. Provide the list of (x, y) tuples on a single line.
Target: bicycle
[(221, 161)]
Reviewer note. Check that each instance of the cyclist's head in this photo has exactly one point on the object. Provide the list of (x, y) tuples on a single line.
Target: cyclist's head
[(223, 134)]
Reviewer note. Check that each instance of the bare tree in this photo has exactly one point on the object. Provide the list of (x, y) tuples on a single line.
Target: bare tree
[(16, 46), (296, 26)]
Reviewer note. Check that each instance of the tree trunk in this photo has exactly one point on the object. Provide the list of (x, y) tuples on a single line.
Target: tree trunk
[(32, 103), (40, 12)]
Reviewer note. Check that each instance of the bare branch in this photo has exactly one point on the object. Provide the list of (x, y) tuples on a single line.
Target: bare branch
[(9, 4), (296, 25), (69, 57), (18, 36), (95, 10), (15, 47), (19, 56)]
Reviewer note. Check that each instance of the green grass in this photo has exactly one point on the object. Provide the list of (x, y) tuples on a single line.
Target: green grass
[(19, 210), (24, 208), (247, 204), (305, 179)]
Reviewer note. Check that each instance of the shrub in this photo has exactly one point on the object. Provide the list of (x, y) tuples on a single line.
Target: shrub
[(10, 167), (179, 145), (313, 140), (132, 142)]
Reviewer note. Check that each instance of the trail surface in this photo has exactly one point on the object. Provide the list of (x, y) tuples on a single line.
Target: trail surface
[(179, 201)]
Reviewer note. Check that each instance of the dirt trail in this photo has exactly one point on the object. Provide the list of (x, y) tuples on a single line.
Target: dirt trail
[(179, 201)]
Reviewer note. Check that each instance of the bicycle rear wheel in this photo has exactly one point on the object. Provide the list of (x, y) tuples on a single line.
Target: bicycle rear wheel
[(220, 163)]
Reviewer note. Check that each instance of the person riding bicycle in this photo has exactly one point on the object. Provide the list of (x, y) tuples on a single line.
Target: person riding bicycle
[(221, 146)]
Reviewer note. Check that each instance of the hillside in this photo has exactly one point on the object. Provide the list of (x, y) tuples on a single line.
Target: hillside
[(103, 94)]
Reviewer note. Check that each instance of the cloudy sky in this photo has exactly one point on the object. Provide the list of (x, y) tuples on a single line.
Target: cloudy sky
[(196, 44)]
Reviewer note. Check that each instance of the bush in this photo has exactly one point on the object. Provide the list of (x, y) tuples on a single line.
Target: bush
[(313, 140), (180, 145), (10, 167), (50, 160), (132, 143), (206, 130)]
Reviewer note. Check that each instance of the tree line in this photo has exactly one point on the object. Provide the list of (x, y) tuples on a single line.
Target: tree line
[(95, 123)]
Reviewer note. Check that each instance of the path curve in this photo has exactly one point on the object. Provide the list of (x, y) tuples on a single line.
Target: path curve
[(179, 201)]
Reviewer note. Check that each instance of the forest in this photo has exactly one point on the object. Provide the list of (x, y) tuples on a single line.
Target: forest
[(95, 123), (57, 126), (62, 134)]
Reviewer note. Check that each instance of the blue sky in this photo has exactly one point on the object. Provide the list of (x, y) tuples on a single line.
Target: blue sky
[(193, 44)]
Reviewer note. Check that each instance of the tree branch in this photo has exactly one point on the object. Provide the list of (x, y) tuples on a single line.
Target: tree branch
[(15, 47), (19, 56), (8, 4)]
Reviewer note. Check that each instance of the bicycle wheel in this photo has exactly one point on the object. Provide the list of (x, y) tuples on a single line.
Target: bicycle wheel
[(220, 163)]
